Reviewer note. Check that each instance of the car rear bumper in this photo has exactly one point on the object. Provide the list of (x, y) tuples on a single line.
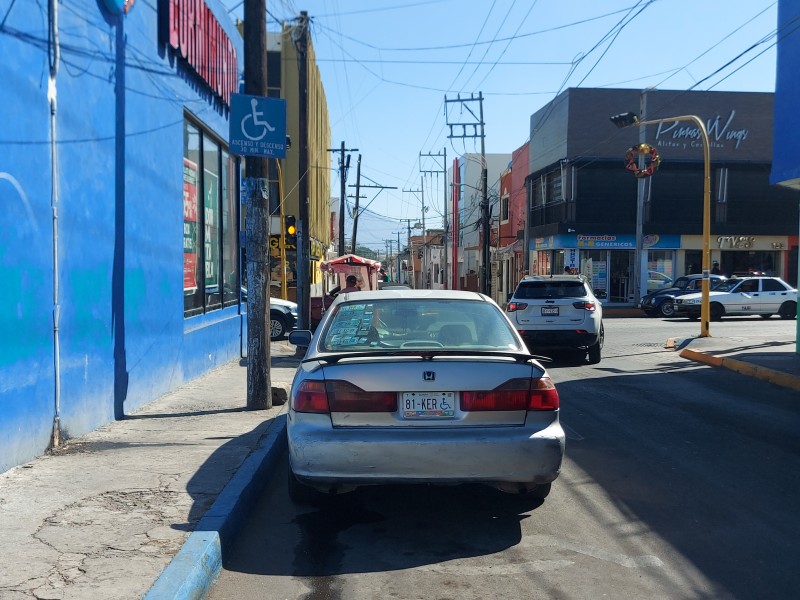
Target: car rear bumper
[(558, 339), (323, 455)]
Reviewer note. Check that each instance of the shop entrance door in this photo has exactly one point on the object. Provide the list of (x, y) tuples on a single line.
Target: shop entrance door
[(620, 271)]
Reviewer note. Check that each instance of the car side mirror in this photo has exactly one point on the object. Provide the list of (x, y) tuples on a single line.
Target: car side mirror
[(300, 337)]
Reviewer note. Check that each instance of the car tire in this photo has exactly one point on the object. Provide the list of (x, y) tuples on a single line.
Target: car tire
[(277, 326), (788, 310), (667, 309), (716, 312), (595, 350), (300, 493)]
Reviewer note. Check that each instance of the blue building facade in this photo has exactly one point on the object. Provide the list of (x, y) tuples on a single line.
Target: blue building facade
[(786, 152), (119, 234)]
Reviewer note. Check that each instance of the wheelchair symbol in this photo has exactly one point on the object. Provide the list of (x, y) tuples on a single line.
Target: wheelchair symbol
[(256, 115)]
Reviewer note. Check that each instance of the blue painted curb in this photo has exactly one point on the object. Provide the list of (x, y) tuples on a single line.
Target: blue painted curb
[(191, 572)]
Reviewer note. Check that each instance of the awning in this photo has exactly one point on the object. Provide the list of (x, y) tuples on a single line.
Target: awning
[(512, 248), (343, 264)]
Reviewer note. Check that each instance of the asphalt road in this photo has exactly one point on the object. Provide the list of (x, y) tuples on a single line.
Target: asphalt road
[(680, 481)]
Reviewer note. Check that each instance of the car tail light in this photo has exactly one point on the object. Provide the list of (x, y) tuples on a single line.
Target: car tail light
[(585, 305), (515, 306), (341, 396), (311, 398), (515, 394)]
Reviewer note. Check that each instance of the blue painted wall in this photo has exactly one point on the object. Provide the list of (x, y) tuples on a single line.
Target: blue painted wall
[(124, 341), (786, 154)]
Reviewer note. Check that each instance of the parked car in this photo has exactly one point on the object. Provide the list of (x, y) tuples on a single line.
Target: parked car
[(558, 312), (420, 386), (765, 296), (282, 316), (661, 302)]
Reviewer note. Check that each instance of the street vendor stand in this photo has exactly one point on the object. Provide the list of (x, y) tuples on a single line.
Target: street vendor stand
[(335, 273)]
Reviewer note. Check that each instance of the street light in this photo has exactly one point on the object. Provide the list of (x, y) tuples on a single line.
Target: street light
[(630, 119)]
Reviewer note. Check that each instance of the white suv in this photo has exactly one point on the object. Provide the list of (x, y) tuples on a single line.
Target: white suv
[(559, 312)]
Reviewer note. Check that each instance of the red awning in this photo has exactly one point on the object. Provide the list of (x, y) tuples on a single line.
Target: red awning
[(343, 264)]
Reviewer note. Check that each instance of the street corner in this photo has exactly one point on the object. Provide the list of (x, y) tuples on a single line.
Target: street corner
[(678, 343), (700, 356)]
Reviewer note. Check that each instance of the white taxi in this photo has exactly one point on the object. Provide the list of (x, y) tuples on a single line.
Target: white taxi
[(764, 296)]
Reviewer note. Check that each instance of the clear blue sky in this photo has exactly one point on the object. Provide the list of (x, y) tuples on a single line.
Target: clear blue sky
[(387, 66)]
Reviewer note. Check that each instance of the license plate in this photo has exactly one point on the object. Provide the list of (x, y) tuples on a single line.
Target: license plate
[(549, 310), (426, 405)]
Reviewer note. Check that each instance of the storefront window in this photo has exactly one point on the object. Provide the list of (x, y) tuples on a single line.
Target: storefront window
[(230, 254), (594, 266), (192, 294), (210, 247), (660, 269), (211, 230), (748, 262)]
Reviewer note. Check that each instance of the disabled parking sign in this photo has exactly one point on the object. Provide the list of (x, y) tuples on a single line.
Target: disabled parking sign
[(258, 126)]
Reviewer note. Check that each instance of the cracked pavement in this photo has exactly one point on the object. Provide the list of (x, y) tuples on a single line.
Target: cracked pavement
[(103, 515)]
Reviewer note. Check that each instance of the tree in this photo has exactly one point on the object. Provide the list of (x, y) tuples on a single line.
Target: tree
[(366, 252)]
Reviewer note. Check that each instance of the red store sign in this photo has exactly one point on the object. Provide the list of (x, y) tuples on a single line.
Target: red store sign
[(192, 30)]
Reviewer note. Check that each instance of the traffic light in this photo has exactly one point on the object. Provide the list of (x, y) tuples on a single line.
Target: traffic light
[(290, 231)]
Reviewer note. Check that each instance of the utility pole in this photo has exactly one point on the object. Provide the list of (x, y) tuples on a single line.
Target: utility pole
[(443, 171), (303, 262), (355, 210), (416, 226), (397, 257), (425, 279), (477, 131), (343, 166), (389, 255), (410, 258), (259, 387)]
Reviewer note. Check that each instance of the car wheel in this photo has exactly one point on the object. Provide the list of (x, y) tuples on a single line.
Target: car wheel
[(299, 493), (595, 350), (788, 310), (277, 326), (716, 312), (667, 309)]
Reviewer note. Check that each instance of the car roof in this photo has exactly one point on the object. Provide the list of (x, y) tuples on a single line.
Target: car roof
[(400, 293), (553, 278)]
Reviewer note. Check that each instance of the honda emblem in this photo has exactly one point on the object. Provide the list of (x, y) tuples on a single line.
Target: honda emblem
[(428, 376)]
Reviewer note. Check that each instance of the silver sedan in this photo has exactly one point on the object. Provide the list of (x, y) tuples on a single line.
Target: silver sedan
[(420, 386)]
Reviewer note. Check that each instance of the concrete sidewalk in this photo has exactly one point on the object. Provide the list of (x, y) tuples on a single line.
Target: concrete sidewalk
[(146, 499), (143, 507), (772, 360)]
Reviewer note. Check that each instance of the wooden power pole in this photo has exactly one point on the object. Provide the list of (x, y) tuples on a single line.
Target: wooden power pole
[(259, 387)]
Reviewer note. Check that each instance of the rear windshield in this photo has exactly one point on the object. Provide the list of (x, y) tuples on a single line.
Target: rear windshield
[(550, 289), (418, 323)]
